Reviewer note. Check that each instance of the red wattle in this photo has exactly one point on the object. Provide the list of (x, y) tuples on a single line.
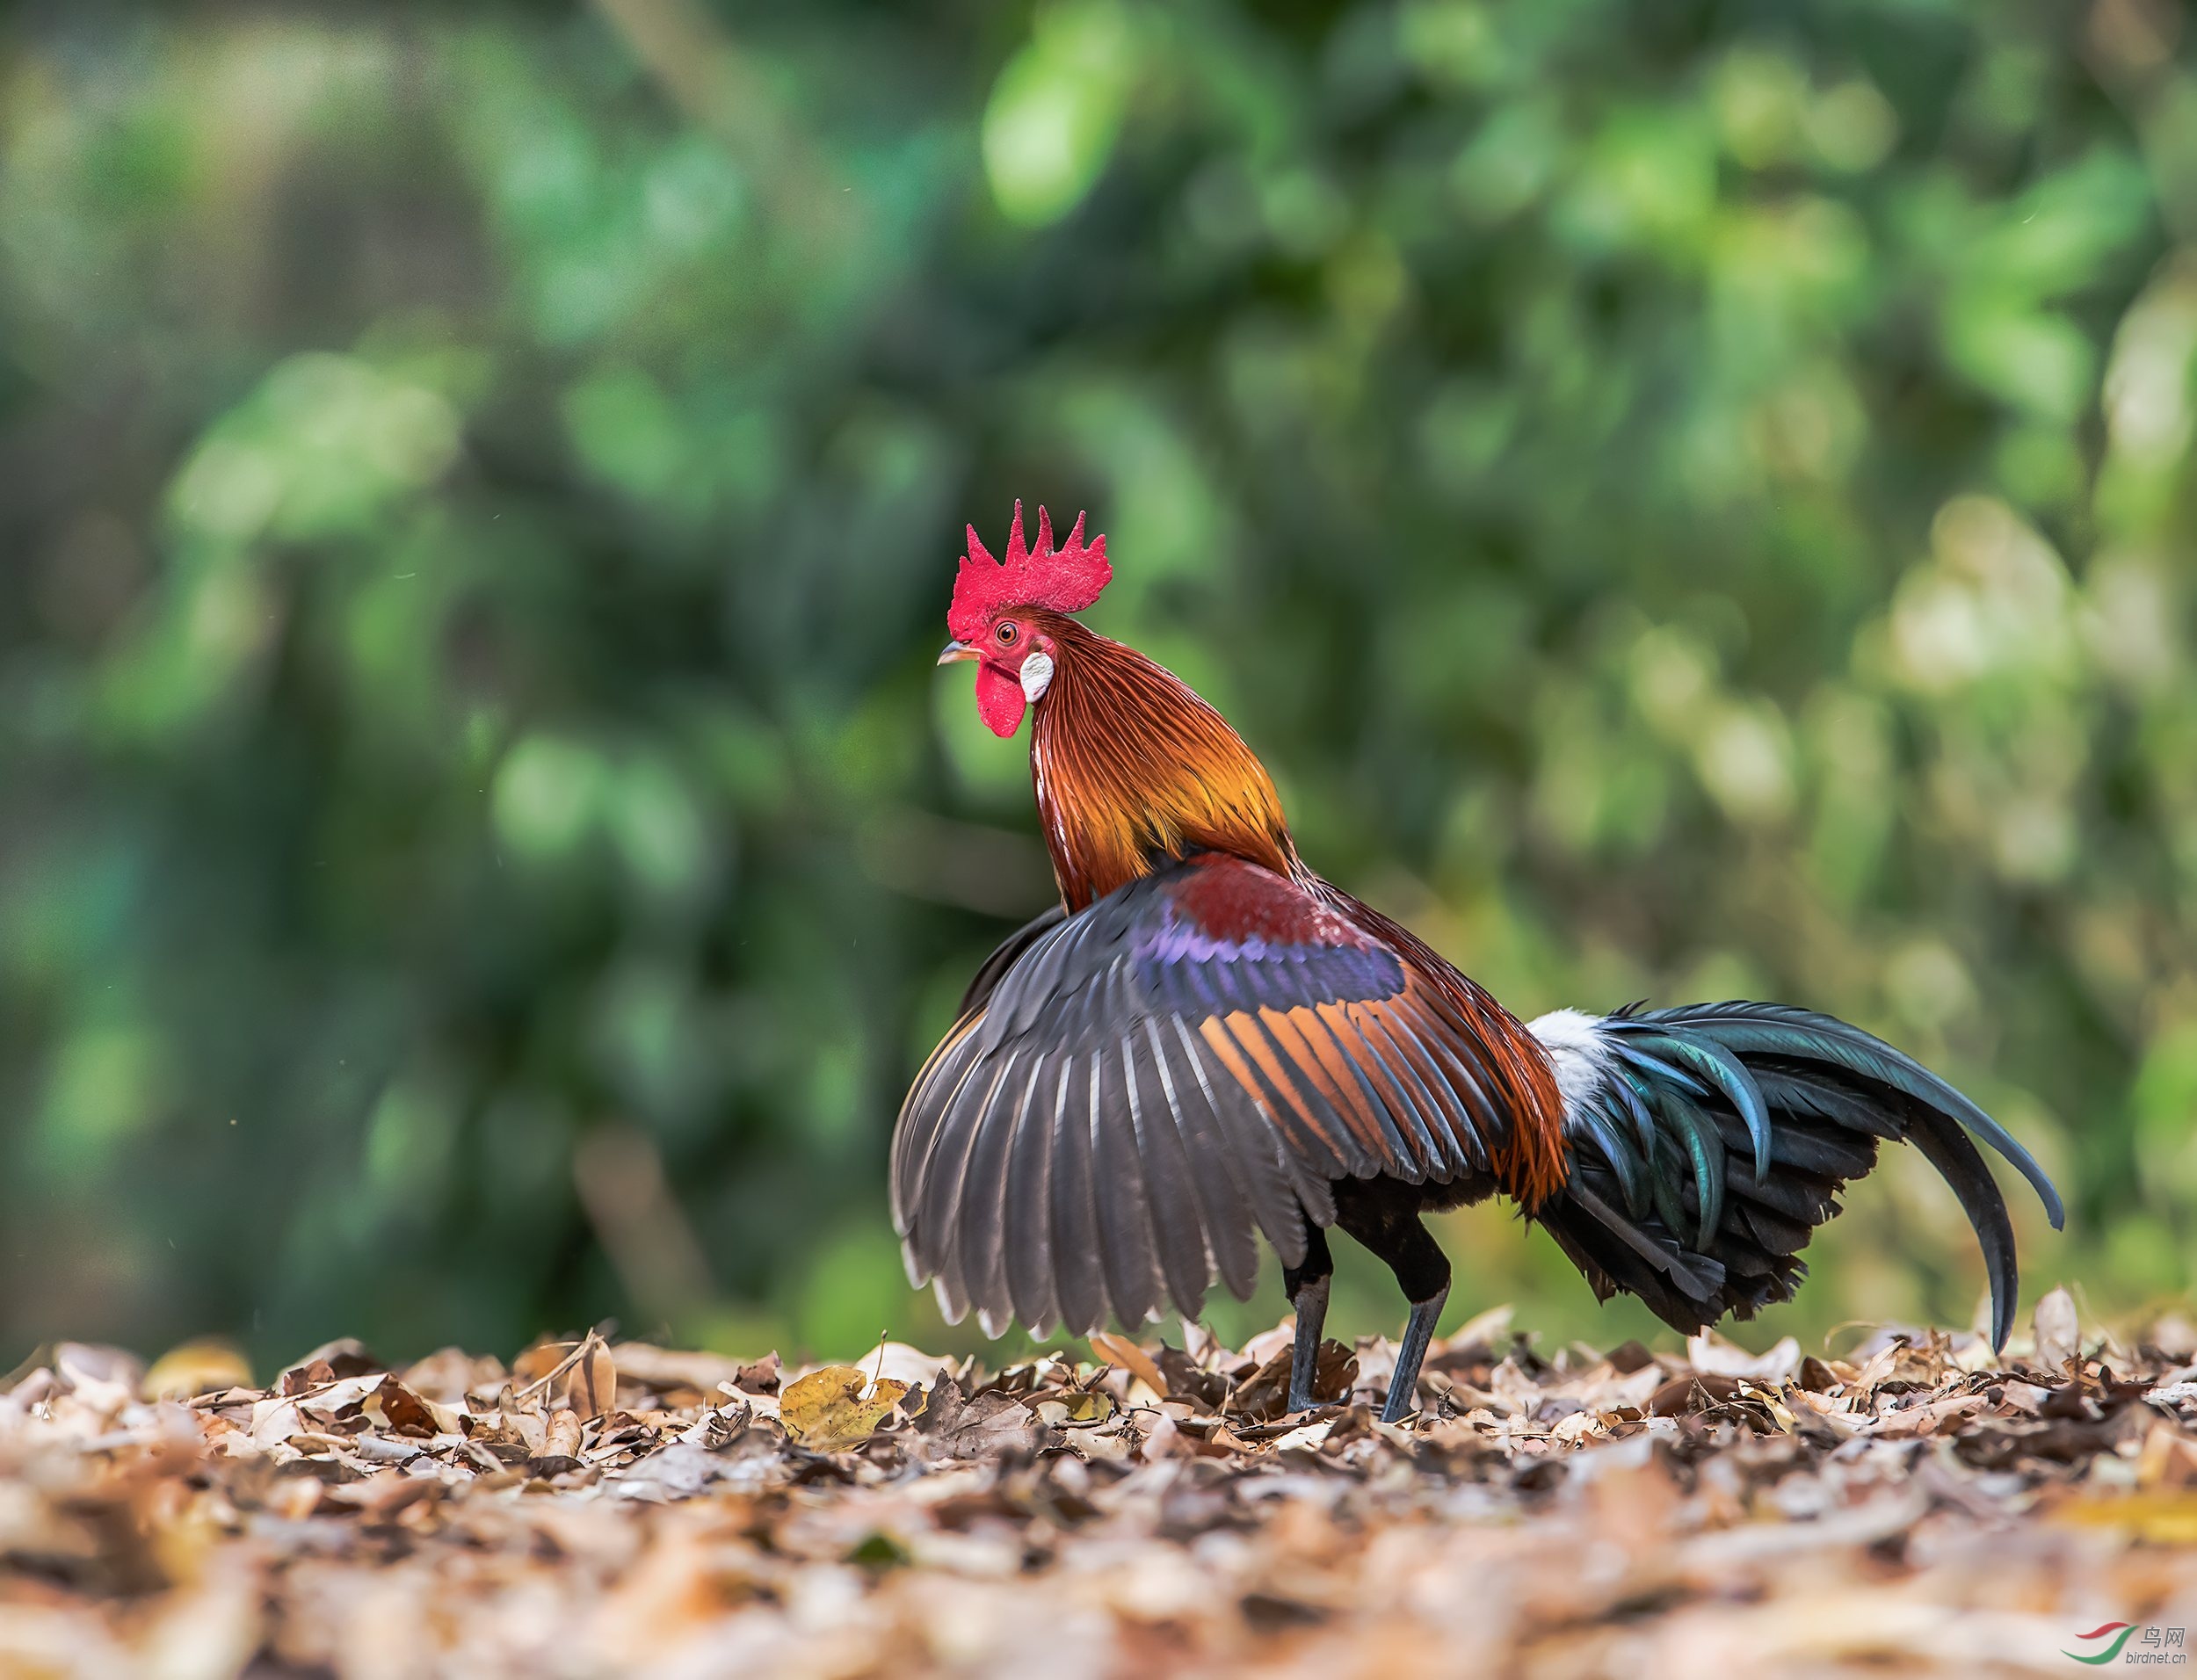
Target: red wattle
[(999, 701)]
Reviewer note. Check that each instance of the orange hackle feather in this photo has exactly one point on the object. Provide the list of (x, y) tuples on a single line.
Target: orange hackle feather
[(1132, 768)]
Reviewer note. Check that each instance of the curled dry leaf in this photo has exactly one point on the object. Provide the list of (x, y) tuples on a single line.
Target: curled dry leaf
[(580, 1376), (591, 1385), (402, 1411), (2058, 1330), (541, 1361), (1119, 1350)]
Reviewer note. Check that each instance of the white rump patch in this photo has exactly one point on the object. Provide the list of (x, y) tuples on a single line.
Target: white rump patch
[(1577, 1046), (1037, 676)]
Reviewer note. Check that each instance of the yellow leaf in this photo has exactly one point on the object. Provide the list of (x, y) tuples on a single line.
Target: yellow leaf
[(196, 1368), (2163, 1518), (827, 1410), (1074, 1410), (1087, 1409)]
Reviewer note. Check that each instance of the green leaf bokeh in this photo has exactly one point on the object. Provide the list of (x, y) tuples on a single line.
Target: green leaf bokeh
[(1690, 499)]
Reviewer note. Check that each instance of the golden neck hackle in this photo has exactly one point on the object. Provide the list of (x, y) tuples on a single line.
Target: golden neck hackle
[(1133, 770)]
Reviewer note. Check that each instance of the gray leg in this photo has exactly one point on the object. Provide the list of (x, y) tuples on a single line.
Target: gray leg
[(1404, 1385), (1304, 1360), (1308, 1285)]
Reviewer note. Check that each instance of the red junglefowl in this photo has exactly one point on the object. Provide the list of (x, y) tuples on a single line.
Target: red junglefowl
[(1206, 1042)]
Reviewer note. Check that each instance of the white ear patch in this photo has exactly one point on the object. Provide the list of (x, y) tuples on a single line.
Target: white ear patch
[(1037, 676)]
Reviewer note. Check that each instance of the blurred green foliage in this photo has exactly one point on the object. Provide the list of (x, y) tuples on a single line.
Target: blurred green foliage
[(1690, 499)]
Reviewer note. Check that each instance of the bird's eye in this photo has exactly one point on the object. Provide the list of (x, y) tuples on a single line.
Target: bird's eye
[(1006, 633)]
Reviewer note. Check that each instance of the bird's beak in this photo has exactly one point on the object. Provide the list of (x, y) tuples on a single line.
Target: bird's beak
[(956, 651)]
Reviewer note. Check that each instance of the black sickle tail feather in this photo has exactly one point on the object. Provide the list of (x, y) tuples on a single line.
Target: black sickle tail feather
[(1708, 1142)]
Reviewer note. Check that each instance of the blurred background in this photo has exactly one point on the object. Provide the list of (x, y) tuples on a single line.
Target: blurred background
[(1690, 499)]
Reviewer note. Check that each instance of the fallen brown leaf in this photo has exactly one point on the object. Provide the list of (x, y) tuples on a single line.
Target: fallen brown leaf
[(1119, 1350)]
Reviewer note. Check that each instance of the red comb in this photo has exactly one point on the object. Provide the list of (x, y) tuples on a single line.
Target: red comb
[(1067, 581)]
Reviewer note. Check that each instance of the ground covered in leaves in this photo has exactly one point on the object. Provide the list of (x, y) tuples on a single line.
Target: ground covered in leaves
[(1917, 1505)]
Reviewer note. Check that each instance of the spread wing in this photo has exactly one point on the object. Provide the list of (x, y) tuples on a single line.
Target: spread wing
[(1132, 1093)]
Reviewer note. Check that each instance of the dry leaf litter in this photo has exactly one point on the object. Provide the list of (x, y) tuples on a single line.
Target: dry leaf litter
[(1917, 1506)]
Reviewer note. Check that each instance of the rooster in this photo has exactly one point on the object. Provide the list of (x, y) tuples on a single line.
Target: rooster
[(1205, 1042)]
